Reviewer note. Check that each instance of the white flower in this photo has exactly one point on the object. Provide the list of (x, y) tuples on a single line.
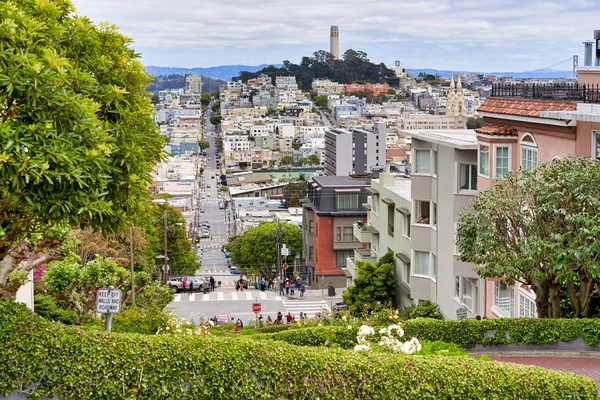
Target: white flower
[(211, 323), (349, 327), (362, 347), (344, 318), (366, 330), (407, 348), (396, 328), (383, 331)]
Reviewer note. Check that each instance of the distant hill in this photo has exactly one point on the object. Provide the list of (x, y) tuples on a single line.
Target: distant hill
[(516, 75), (222, 72)]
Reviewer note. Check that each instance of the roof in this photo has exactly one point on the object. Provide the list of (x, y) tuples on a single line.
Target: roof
[(497, 130), (339, 181), (462, 139), (524, 107)]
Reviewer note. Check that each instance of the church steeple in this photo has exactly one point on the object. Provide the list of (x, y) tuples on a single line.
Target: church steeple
[(452, 84), (459, 85)]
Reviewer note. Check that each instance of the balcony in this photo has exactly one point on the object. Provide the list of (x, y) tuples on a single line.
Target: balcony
[(364, 256), (558, 91), (361, 233), (350, 270)]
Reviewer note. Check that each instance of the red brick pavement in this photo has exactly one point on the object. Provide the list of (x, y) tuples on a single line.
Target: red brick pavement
[(582, 366)]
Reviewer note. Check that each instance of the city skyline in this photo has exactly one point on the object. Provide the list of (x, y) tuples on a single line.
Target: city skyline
[(452, 35)]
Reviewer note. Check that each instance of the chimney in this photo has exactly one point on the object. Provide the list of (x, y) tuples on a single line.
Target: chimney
[(587, 54), (597, 49)]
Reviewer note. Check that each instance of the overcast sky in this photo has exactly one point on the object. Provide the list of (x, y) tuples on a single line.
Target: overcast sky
[(481, 35)]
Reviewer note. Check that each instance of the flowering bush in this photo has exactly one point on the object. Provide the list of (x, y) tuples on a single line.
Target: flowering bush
[(388, 341), (183, 327)]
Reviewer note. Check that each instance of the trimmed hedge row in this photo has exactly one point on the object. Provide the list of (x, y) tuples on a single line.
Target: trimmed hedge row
[(47, 359), (466, 333)]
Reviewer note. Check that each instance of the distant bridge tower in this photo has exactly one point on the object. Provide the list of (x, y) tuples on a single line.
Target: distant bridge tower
[(397, 63), (575, 64), (334, 42)]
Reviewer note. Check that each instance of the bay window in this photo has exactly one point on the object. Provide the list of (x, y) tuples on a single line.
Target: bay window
[(484, 160), (502, 161)]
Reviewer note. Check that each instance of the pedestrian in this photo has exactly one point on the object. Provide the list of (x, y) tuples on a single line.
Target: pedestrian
[(279, 319), (191, 286), (183, 284), (302, 315), (281, 288), (270, 284), (237, 286), (301, 288), (269, 320), (241, 282), (292, 287), (212, 284), (287, 288), (289, 318)]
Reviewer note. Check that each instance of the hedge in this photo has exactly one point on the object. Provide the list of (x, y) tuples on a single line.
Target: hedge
[(465, 333), (47, 359)]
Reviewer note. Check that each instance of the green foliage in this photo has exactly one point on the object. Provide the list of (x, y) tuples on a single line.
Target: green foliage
[(216, 106), (255, 251), (49, 360), (438, 348), (474, 123), (205, 98), (45, 306), (293, 192), (321, 100), (216, 119), (374, 285), (426, 309), (544, 227), (203, 144), (314, 159), (286, 161), (154, 295)]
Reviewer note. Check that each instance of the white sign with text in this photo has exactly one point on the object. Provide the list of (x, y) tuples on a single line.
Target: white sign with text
[(108, 301)]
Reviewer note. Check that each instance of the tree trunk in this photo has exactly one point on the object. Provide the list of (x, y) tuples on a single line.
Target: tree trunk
[(588, 289), (576, 305), (555, 300), (542, 293), (23, 257)]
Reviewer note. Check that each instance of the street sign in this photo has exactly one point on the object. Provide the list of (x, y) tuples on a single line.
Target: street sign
[(284, 250), (108, 301), (284, 265), (461, 313), (256, 307)]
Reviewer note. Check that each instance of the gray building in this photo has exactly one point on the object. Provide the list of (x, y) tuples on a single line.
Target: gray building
[(354, 152)]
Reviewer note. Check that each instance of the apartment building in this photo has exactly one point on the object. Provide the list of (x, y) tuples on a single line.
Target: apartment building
[(354, 152), (388, 228), (193, 83), (443, 184), (332, 205), (325, 86), (376, 88), (410, 122)]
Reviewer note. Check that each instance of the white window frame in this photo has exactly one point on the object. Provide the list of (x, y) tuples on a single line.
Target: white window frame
[(407, 223), (433, 163), (347, 231), (406, 272), (431, 265), (525, 148), (432, 213), (470, 168), (527, 307), (596, 144), (501, 146), (416, 169), (511, 300), (480, 165)]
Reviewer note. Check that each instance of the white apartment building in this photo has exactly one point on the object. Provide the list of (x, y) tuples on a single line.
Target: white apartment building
[(410, 122), (286, 82), (444, 181), (354, 152)]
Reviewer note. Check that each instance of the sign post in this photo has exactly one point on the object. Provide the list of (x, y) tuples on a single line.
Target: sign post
[(108, 301), (461, 313), (256, 309)]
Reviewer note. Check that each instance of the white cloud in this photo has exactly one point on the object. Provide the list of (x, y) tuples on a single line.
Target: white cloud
[(445, 34)]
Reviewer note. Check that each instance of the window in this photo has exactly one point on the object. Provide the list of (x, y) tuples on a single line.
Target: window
[(457, 287), (526, 307), (316, 229), (338, 234), (468, 293), (421, 263), (484, 160), (390, 220), (348, 234), (311, 252), (504, 299), (347, 201), (528, 152), (434, 265), (596, 145), (423, 161), (467, 177), (406, 273), (422, 212), (311, 226), (407, 226), (502, 161), (435, 162), (341, 257), (375, 203)]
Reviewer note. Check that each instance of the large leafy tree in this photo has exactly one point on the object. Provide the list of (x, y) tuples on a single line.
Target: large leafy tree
[(540, 228), (373, 284), (77, 142), (255, 251)]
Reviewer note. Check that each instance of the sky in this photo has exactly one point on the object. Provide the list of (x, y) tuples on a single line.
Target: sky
[(467, 35)]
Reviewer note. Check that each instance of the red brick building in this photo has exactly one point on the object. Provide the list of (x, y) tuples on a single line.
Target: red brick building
[(376, 88)]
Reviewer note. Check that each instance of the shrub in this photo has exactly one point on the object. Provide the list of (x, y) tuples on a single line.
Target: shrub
[(438, 348), (50, 360), (426, 309), (45, 306)]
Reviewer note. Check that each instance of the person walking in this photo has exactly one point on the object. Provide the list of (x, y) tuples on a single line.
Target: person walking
[(191, 286), (212, 284), (281, 288), (292, 287), (183, 284), (302, 316), (301, 288), (287, 288)]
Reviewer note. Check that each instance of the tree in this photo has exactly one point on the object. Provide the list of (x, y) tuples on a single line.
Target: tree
[(293, 192), (78, 140), (203, 144), (286, 161), (543, 227), (214, 94), (303, 161), (155, 99), (216, 119), (216, 106), (205, 99), (474, 123), (321, 100), (255, 251), (391, 92), (373, 284), (314, 159)]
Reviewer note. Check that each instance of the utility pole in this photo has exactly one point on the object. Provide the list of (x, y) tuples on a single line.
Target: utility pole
[(279, 239), (165, 277)]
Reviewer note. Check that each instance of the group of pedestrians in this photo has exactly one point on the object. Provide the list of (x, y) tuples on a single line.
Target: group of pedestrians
[(289, 287), (209, 285), (289, 318)]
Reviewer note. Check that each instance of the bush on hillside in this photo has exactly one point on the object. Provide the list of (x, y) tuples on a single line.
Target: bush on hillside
[(426, 309), (50, 360)]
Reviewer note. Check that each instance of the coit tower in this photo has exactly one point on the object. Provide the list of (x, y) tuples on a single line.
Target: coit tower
[(334, 42)]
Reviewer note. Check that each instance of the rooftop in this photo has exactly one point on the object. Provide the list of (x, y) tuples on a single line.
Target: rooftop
[(337, 181), (524, 107), (462, 139), (497, 130), (401, 187), (558, 92)]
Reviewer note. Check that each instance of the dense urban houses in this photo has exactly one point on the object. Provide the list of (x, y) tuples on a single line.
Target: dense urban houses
[(387, 228), (354, 152), (330, 209)]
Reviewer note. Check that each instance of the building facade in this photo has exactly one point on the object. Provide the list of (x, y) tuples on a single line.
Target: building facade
[(354, 152)]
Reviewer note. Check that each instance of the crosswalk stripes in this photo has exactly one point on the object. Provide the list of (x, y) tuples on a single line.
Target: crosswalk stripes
[(248, 296), (177, 298), (192, 297), (262, 295), (220, 296), (278, 298), (234, 296), (311, 308)]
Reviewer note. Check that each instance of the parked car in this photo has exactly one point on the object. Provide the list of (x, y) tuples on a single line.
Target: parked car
[(339, 306), (222, 319), (204, 223), (204, 235), (177, 284), (227, 254), (235, 271)]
